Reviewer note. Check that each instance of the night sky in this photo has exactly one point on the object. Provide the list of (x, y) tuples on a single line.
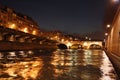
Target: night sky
[(76, 16)]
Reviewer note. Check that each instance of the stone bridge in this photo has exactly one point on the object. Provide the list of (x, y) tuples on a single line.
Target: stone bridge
[(17, 40)]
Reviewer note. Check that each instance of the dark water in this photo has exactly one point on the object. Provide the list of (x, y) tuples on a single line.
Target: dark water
[(56, 65)]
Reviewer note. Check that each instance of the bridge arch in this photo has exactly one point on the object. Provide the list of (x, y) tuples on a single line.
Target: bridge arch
[(87, 44), (62, 46), (95, 46)]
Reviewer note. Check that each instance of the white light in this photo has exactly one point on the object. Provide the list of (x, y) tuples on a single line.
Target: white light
[(69, 44), (86, 37), (89, 38), (85, 44), (108, 26), (106, 34), (12, 53), (115, 0)]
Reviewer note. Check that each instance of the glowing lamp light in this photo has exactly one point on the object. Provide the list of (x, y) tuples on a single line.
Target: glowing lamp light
[(34, 32), (86, 37), (85, 44), (69, 44), (97, 43), (89, 38), (25, 30), (106, 34), (62, 40), (56, 37), (108, 26), (12, 26), (115, 0)]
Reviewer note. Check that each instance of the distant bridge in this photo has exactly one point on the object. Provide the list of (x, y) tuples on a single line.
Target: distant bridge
[(87, 44)]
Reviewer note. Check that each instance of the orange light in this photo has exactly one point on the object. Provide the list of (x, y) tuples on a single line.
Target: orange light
[(25, 30), (12, 26), (62, 40), (69, 44), (34, 32)]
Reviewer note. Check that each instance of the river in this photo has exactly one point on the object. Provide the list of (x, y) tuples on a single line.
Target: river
[(57, 64)]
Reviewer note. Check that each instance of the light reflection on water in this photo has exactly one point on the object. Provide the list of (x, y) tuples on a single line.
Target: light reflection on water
[(21, 70), (56, 65)]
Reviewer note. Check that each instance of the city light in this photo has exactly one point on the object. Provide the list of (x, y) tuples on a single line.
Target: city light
[(62, 40), (86, 37), (89, 38), (11, 19), (108, 26), (12, 25), (25, 30), (27, 53), (115, 0), (69, 44), (85, 44), (34, 32), (106, 34)]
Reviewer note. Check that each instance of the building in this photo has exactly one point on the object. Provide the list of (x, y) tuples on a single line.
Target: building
[(11, 19), (113, 35)]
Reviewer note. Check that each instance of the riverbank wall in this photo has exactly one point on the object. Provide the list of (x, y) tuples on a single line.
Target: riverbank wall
[(10, 46)]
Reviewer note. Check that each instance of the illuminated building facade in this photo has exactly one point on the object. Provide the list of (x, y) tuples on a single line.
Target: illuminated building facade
[(113, 37), (11, 19)]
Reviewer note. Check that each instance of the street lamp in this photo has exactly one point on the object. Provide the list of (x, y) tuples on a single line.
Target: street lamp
[(89, 38), (106, 34), (115, 0), (108, 26), (86, 37)]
